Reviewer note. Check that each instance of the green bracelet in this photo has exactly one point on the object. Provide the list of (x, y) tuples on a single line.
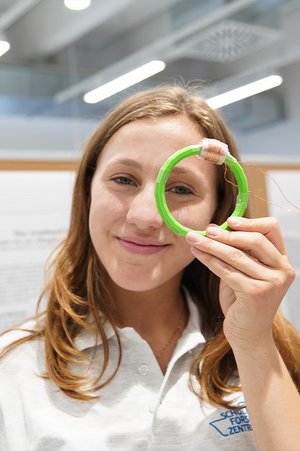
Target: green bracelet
[(232, 163)]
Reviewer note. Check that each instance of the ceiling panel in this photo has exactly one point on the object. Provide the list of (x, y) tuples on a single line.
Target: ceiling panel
[(57, 55)]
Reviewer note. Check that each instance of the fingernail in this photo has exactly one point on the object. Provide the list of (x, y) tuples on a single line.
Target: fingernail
[(213, 231), (234, 221), (194, 237)]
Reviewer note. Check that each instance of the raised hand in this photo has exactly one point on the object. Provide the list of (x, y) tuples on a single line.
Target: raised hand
[(255, 272)]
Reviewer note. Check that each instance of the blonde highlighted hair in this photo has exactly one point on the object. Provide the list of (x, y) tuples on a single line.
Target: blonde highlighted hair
[(77, 290)]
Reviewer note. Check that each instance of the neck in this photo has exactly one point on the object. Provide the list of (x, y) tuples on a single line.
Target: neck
[(159, 316), (148, 310)]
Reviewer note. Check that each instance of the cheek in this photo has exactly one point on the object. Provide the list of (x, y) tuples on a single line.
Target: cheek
[(196, 216), (185, 256), (105, 210)]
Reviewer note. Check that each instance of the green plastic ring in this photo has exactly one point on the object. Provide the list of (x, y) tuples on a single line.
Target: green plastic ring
[(170, 221)]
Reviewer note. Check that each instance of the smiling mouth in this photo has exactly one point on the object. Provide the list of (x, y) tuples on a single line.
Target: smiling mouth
[(141, 248)]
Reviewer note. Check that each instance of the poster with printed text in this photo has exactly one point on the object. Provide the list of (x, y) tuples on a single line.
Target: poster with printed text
[(283, 190), (34, 216)]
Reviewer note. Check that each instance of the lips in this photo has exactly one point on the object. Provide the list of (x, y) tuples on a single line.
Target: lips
[(141, 246)]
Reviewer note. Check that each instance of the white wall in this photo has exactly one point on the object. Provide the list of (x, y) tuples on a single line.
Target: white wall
[(43, 138)]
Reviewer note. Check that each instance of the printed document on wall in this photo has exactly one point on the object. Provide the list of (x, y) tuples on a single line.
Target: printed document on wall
[(283, 188), (34, 217)]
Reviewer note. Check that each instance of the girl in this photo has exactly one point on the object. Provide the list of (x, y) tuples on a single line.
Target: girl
[(151, 341)]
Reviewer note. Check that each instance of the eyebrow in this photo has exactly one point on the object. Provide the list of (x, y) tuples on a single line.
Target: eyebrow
[(128, 162), (179, 171), (133, 163)]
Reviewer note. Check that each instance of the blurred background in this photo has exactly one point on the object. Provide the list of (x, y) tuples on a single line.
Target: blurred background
[(57, 55), (53, 53)]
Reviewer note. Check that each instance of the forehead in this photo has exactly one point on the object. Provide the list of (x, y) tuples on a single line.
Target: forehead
[(175, 130), (152, 136), (152, 141)]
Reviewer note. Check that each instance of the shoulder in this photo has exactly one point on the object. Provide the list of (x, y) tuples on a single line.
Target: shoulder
[(22, 387), (10, 336), (17, 353)]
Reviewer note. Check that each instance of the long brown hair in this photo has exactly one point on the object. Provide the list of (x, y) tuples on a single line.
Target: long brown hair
[(77, 289)]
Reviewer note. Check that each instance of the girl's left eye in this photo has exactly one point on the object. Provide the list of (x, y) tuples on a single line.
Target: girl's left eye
[(180, 189)]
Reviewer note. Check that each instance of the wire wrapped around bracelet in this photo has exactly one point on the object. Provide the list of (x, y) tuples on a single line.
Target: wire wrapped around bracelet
[(211, 150)]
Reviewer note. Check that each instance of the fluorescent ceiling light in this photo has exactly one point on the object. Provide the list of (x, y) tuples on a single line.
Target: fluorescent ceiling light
[(245, 91), (77, 5), (4, 44), (124, 82), (4, 47)]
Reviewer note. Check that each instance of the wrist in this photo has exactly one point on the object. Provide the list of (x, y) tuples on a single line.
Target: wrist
[(263, 345), (258, 361)]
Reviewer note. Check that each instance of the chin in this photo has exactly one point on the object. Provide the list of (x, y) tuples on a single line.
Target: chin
[(136, 285), (138, 281)]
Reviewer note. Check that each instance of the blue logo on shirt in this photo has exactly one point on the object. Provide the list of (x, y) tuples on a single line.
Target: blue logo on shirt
[(232, 422)]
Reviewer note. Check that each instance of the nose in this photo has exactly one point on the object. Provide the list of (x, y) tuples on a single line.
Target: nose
[(142, 210)]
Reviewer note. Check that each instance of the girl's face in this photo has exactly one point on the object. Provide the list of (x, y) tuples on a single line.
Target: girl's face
[(137, 249)]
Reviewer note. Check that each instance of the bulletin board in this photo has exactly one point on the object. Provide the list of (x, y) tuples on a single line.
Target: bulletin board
[(260, 184), (11, 165), (35, 199), (275, 191)]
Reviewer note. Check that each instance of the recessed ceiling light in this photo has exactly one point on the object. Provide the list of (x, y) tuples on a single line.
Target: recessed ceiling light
[(77, 5)]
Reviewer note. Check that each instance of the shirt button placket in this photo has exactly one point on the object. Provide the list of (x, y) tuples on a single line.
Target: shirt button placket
[(143, 370)]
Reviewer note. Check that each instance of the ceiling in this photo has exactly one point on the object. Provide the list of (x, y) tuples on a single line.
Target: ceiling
[(57, 54)]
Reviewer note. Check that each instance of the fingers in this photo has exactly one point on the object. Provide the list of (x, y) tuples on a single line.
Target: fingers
[(241, 272), (230, 257), (255, 247), (252, 264), (269, 227), (254, 244), (235, 279)]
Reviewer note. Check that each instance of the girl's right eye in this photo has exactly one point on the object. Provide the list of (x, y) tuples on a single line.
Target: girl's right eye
[(123, 180)]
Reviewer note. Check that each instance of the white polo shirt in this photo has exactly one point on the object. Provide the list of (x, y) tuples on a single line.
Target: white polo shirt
[(139, 410)]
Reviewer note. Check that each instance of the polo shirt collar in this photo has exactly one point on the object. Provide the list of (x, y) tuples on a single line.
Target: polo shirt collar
[(190, 338), (86, 339)]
